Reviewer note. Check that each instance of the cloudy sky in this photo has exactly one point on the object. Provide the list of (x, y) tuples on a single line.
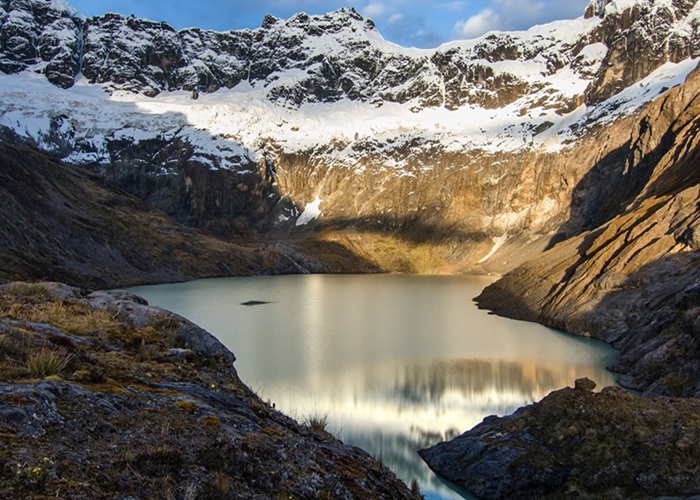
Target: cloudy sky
[(411, 23)]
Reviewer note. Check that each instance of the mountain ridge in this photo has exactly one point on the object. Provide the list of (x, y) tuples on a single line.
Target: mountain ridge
[(293, 135)]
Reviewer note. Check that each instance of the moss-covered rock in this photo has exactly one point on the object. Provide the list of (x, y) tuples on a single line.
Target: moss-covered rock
[(579, 444)]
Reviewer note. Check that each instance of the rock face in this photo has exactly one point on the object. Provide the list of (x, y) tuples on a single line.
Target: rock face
[(640, 39), (467, 148), (630, 280), (341, 54), (105, 396), (44, 36), (62, 222), (578, 443)]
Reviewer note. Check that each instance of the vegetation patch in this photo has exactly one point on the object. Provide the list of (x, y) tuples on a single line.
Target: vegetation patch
[(607, 445), (47, 362)]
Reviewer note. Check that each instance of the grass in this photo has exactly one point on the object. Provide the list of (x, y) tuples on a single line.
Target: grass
[(46, 362), (415, 487), (318, 422), (150, 440), (187, 405), (77, 319), (30, 290)]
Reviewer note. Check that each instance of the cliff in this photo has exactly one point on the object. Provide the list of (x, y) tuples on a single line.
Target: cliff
[(63, 223), (631, 279)]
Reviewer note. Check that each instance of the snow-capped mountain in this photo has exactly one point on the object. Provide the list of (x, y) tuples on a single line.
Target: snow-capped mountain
[(318, 118)]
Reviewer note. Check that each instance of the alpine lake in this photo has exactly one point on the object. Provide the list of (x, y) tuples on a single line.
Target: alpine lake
[(394, 362)]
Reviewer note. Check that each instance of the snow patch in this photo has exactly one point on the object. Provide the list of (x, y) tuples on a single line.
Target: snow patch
[(311, 211), (498, 242)]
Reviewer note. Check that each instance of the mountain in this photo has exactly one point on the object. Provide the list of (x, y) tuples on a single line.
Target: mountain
[(63, 223), (471, 157), (421, 160), (563, 156), (632, 279)]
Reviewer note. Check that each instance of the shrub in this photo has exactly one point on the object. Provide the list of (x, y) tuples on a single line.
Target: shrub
[(188, 406), (35, 290), (12, 349)]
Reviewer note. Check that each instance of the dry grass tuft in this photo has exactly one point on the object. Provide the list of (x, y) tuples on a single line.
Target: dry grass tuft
[(29, 290), (45, 362), (317, 422)]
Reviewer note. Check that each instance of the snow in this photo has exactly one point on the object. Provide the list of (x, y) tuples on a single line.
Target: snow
[(594, 52), (63, 6), (235, 124), (498, 242), (624, 103), (619, 6), (311, 211), (29, 126), (230, 128)]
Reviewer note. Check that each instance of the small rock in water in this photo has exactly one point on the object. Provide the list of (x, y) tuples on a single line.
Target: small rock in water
[(254, 303), (584, 384)]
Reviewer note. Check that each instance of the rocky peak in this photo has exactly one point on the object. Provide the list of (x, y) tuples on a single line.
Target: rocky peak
[(340, 55), (136, 55), (46, 36), (269, 20), (641, 36)]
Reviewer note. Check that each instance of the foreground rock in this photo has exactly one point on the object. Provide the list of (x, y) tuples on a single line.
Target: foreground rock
[(103, 396), (579, 444)]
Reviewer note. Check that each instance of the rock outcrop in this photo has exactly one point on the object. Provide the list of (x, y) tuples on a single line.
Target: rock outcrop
[(640, 38), (576, 443), (44, 36), (105, 396)]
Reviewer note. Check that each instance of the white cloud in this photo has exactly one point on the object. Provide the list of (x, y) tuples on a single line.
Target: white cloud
[(516, 15), (395, 18), (455, 6), (375, 10), (478, 24)]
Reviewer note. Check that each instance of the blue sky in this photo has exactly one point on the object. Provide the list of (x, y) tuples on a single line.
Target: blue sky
[(411, 23)]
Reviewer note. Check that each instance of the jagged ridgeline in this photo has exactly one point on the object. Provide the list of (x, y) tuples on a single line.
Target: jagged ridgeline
[(467, 157)]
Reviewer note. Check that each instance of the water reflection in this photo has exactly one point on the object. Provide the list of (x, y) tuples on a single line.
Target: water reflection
[(394, 409), (397, 362)]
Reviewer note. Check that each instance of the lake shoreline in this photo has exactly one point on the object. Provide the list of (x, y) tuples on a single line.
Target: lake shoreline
[(104, 396), (431, 379)]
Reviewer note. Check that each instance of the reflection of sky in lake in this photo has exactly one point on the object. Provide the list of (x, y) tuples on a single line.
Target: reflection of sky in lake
[(398, 362)]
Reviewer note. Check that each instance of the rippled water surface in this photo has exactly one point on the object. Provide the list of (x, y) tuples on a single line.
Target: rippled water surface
[(397, 362)]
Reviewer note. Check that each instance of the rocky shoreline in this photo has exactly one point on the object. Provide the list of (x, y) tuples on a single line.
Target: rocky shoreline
[(579, 444), (632, 279), (104, 396)]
